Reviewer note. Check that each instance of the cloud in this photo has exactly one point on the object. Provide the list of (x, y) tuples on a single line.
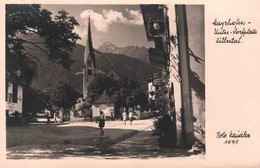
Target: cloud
[(99, 21), (102, 21), (82, 34), (135, 16)]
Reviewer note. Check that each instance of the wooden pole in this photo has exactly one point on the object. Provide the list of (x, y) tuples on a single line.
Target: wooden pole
[(187, 112)]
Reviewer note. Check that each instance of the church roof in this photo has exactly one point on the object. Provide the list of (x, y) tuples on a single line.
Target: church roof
[(113, 69), (89, 50)]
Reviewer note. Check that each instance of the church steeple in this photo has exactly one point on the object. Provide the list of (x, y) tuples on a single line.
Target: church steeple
[(89, 51), (89, 63)]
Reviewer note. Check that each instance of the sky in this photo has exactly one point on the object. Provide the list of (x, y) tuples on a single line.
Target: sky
[(119, 24)]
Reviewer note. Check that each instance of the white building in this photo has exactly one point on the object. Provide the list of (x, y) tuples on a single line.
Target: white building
[(103, 103), (14, 98), (186, 64), (151, 90)]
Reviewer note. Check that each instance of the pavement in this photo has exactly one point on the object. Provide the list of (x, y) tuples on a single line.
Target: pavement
[(57, 141)]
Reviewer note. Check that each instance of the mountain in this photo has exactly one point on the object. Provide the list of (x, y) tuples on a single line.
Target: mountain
[(49, 73), (131, 51)]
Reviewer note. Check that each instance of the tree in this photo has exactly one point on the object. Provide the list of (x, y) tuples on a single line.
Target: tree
[(162, 100), (63, 95), (141, 99), (33, 101), (125, 92), (102, 84), (54, 38)]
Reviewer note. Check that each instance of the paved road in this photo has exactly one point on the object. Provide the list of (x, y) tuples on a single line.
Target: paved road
[(55, 140), (83, 140)]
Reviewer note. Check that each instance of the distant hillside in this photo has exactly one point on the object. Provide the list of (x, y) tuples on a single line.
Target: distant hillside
[(48, 73), (131, 51)]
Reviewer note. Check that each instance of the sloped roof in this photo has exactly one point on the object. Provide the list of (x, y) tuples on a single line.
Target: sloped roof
[(112, 68), (89, 50)]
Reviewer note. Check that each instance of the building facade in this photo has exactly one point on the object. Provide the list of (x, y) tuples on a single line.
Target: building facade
[(14, 98), (103, 103), (112, 74), (179, 41)]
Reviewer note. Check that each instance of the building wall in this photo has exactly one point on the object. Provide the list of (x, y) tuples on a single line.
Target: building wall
[(196, 35), (88, 78), (10, 105), (106, 108), (112, 74), (174, 72), (151, 88), (195, 22), (19, 104)]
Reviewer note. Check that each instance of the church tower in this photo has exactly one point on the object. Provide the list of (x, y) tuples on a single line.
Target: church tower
[(89, 64)]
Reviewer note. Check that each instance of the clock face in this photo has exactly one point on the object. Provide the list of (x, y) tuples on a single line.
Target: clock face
[(156, 26)]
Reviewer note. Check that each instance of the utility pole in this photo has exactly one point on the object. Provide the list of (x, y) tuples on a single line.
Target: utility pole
[(186, 111)]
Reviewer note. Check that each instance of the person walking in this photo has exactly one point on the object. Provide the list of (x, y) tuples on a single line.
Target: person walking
[(131, 117), (55, 116), (48, 115), (101, 123), (124, 117)]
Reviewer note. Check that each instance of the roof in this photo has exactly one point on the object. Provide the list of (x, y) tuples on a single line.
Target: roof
[(112, 68), (89, 50), (104, 98)]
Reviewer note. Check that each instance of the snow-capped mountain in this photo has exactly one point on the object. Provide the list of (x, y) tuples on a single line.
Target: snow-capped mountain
[(108, 47), (131, 51)]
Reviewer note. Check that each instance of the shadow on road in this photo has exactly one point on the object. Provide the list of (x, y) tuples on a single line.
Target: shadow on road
[(60, 141)]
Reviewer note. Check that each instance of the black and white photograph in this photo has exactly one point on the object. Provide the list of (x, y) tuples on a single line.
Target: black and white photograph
[(115, 81)]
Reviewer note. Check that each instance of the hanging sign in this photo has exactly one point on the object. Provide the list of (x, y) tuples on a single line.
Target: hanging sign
[(154, 20), (158, 57)]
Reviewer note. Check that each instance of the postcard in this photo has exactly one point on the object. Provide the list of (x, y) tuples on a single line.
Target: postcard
[(130, 84)]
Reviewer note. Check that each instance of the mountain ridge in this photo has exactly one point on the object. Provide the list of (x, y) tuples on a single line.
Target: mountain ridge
[(49, 73), (130, 50)]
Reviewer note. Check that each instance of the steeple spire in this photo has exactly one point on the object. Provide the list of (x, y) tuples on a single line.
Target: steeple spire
[(89, 63), (89, 51)]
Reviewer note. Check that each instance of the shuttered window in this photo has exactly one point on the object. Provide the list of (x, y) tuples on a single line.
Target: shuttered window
[(15, 93)]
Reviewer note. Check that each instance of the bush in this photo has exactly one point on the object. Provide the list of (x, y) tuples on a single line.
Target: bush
[(165, 127)]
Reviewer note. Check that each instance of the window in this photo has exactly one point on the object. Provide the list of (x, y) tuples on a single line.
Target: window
[(10, 97), (6, 112), (89, 71), (89, 62), (6, 90), (15, 93)]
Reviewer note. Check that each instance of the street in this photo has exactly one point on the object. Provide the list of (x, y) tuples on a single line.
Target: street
[(82, 139)]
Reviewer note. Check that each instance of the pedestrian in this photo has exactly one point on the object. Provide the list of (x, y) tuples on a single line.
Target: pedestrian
[(112, 115), (124, 117), (91, 115), (48, 115), (101, 123), (131, 117), (55, 116)]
